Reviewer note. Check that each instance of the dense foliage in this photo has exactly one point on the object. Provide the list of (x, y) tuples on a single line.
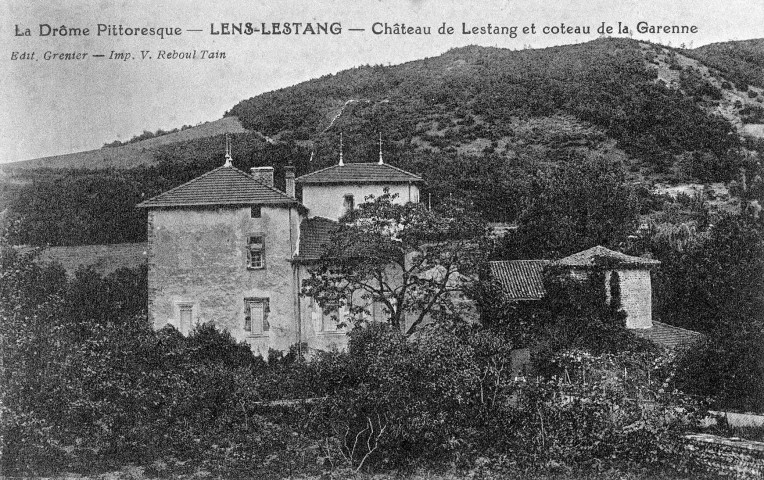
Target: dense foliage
[(572, 207), (86, 207), (88, 384), (740, 62), (77, 208), (715, 285), (86, 392), (480, 92), (475, 122), (414, 261)]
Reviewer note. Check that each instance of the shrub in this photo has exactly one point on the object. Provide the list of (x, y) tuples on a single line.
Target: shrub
[(597, 425), (208, 344), (412, 400), (729, 370)]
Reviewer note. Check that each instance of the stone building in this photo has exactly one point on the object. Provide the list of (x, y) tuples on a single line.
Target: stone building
[(626, 277), (333, 191), (231, 249)]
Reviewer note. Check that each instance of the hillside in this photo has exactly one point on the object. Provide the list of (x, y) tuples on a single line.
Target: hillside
[(478, 123), (614, 96), (643, 103), (132, 154), (741, 62)]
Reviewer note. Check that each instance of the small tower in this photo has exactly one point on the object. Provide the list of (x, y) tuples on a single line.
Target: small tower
[(627, 280), (342, 163), (228, 159), (333, 191)]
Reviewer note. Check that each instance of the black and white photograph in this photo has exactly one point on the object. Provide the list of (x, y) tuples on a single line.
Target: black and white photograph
[(381, 239)]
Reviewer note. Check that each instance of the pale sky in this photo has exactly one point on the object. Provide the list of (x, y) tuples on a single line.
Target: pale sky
[(52, 107)]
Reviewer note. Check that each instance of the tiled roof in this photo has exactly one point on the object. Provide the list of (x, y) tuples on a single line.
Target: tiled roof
[(315, 233), (601, 256), (520, 279), (221, 186), (668, 335), (360, 173)]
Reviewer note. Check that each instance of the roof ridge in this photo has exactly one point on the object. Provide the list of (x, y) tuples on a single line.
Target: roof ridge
[(267, 194), (335, 173), (584, 256), (181, 185), (403, 171), (313, 173), (263, 184)]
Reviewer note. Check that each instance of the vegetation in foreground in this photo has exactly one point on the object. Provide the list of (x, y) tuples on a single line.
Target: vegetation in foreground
[(91, 388)]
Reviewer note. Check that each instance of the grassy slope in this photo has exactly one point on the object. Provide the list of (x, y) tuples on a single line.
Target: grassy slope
[(130, 155)]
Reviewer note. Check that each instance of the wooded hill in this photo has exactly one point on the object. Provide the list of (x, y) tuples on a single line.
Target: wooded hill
[(475, 121)]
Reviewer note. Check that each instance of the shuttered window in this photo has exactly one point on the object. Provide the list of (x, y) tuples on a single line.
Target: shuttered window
[(255, 252), (256, 312)]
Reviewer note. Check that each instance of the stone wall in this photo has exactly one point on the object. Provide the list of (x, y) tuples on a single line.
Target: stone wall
[(731, 457), (198, 257), (328, 200), (636, 296)]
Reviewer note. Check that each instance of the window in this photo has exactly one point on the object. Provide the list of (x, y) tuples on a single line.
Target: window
[(255, 211), (255, 252), (349, 203), (256, 316), (186, 316), (329, 320), (337, 314)]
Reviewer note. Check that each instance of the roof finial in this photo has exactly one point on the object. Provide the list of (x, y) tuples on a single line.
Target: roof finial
[(228, 151), (380, 149), (341, 162)]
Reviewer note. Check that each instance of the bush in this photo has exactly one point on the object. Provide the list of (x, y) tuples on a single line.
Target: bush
[(728, 370), (88, 391), (598, 425), (412, 400), (81, 395), (448, 396)]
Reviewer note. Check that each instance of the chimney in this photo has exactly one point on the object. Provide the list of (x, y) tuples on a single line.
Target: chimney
[(263, 174), (289, 177)]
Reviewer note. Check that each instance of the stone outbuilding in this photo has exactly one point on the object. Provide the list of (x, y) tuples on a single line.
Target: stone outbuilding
[(627, 280)]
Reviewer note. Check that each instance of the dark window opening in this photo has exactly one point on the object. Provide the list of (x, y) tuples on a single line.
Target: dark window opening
[(349, 203)]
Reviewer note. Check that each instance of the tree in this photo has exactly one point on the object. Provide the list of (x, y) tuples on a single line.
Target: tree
[(574, 207), (714, 285), (407, 258)]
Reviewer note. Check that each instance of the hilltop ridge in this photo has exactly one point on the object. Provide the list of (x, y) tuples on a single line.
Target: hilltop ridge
[(644, 103)]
